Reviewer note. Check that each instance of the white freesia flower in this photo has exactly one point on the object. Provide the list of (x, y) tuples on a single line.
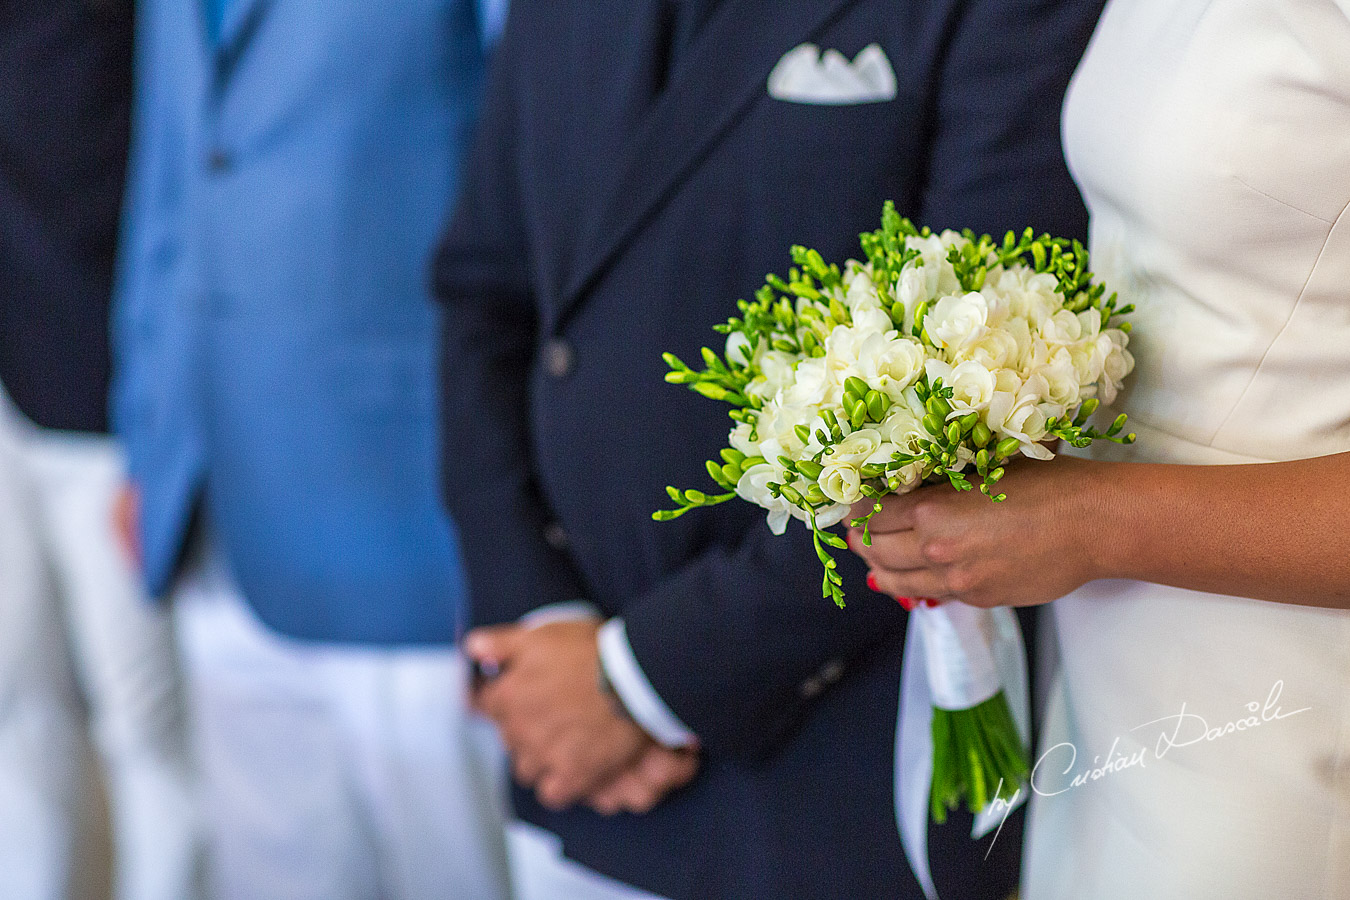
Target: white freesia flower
[(891, 364), (739, 350), (754, 487), (812, 386), (996, 350), (741, 441), (1062, 328), (856, 448), (903, 429), (972, 384), (1022, 416), (957, 321), (913, 286), (775, 374), (841, 482), (1063, 387), (871, 321), (1090, 321), (1117, 362), (860, 293), (1029, 295)]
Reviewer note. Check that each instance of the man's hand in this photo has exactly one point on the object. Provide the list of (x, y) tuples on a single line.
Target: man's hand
[(126, 523), (567, 739), (658, 772)]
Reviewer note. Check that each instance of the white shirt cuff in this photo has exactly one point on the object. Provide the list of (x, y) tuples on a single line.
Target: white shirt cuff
[(572, 611), (641, 700)]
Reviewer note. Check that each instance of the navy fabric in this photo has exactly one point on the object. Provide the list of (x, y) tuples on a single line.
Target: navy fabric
[(65, 101), (276, 336), (590, 238)]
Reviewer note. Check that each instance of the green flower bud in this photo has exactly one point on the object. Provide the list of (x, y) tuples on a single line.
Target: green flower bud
[(715, 472), (814, 495), (732, 473), (932, 424), (855, 385), (710, 358), (981, 434), (1007, 447), (792, 495), (1086, 410), (810, 468), (750, 462), (837, 311), (938, 407), (982, 461), (877, 405), (733, 456), (953, 433), (695, 498), (873, 470), (859, 416), (803, 433), (969, 421), (710, 390)]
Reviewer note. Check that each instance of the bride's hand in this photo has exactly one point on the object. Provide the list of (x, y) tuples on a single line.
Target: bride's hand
[(1039, 544)]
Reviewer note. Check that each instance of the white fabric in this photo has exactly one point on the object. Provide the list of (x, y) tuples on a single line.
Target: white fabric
[(82, 647), (639, 697), (541, 872), (805, 75), (1212, 142), (336, 772), (995, 637), (571, 611)]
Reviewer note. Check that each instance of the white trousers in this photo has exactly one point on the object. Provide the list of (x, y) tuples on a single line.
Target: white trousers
[(82, 651), (541, 872), (335, 772)]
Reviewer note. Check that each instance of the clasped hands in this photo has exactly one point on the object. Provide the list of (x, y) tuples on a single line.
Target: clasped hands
[(568, 740)]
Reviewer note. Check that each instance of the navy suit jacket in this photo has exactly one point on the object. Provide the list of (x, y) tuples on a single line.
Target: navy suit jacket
[(65, 102), (593, 234)]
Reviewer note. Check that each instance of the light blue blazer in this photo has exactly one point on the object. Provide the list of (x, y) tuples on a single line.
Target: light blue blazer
[(273, 331)]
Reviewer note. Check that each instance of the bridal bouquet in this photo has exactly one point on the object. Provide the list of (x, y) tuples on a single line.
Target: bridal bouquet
[(937, 359)]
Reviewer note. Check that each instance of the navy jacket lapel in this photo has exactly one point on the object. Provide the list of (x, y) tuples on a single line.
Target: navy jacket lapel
[(712, 87)]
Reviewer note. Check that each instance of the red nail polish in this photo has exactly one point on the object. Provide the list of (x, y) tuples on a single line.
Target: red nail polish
[(872, 582), (906, 603), (930, 602), (848, 539)]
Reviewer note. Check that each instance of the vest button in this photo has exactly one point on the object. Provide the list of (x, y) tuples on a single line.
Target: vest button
[(559, 358)]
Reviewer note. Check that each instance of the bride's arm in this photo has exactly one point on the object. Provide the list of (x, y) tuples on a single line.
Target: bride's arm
[(1276, 531)]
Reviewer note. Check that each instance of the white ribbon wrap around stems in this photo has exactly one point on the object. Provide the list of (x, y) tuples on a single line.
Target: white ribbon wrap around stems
[(956, 657)]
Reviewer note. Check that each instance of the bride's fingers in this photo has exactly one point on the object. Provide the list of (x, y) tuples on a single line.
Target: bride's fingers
[(925, 583), (897, 514), (898, 551)]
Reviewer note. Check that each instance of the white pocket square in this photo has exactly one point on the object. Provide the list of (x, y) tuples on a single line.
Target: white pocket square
[(805, 75)]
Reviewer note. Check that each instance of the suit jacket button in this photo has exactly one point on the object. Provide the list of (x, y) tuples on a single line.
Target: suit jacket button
[(555, 536), (559, 359), (218, 160), (811, 688), (832, 671)]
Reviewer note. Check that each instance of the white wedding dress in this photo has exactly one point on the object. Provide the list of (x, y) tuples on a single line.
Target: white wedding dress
[(1198, 746)]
